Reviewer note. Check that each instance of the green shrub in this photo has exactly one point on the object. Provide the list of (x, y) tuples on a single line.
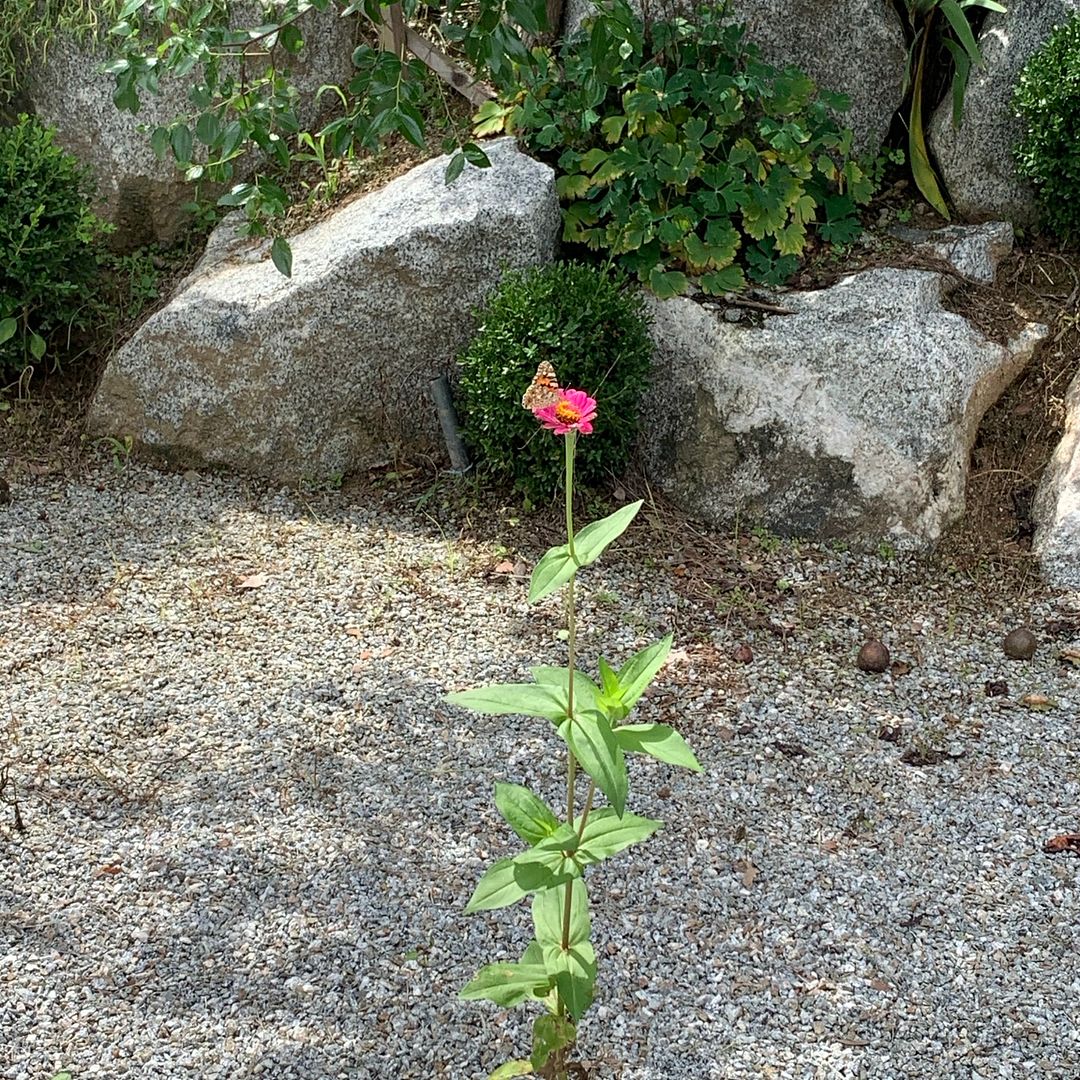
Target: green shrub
[(1047, 100), (47, 244), (684, 155), (591, 328)]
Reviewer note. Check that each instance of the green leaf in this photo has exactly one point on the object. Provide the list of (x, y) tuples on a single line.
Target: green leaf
[(586, 692), (542, 867), (593, 540), (550, 1035), (590, 737), (208, 128), (513, 699), (612, 128), (658, 741), (718, 282), (37, 345), (474, 155), (606, 833), (609, 680), (159, 141), (925, 178), (7, 329), (507, 984), (527, 815), (454, 169), (592, 159), (667, 284), (640, 670), (182, 143), (281, 254), (573, 186), (961, 28), (961, 73), (573, 967), (517, 1067), (410, 123)]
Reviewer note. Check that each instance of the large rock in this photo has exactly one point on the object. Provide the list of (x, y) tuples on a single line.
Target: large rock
[(851, 418), (310, 377), (976, 161), (1057, 504), (854, 47), (142, 196)]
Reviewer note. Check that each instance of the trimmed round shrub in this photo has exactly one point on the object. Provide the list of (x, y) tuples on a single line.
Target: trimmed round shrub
[(47, 244), (1047, 101), (592, 329)]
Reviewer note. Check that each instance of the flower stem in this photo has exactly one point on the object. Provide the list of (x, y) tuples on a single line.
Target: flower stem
[(571, 640)]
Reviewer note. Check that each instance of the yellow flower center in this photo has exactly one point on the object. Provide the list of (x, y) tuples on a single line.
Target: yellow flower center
[(565, 413)]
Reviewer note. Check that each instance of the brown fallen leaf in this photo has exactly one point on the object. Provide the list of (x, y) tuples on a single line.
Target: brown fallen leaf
[(747, 871), (1071, 655), (878, 984), (110, 868), (1066, 842), (253, 581), (899, 667), (1039, 702), (832, 846), (504, 567), (521, 570), (353, 631)]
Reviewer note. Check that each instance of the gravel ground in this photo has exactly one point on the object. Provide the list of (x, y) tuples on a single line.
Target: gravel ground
[(250, 826)]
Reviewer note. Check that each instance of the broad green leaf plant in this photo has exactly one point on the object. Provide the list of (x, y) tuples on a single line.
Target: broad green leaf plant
[(592, 718), (930, 22), (682, 154)]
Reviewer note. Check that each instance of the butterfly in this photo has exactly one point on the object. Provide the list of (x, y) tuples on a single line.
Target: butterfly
[(543, 390)]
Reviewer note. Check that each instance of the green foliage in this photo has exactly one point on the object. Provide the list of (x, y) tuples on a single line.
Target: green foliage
[(243, 96), (47, 236), (1048, 103), (684, 155), (593, 331), (937, 26)]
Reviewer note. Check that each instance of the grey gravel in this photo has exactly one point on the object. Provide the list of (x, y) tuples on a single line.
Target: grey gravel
[(251, 826)]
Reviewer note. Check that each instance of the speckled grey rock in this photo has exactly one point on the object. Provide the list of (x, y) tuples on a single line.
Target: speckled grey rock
[(142, 196), (852, 418), (973, 251), (310, 377), (976, 161), (854, 47), (1057, 504)]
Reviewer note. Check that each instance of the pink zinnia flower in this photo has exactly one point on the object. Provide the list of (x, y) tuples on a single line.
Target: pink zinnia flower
[(574, 411)]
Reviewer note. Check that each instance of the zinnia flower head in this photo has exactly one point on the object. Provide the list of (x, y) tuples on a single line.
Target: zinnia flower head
[(574, 411)]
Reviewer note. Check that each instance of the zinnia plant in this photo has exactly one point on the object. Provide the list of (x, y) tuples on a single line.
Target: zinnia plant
[(591, 717)]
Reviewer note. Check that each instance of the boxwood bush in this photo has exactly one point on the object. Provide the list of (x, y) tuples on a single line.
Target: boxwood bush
[(592, 329), (48, 236), (1048, 103)]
